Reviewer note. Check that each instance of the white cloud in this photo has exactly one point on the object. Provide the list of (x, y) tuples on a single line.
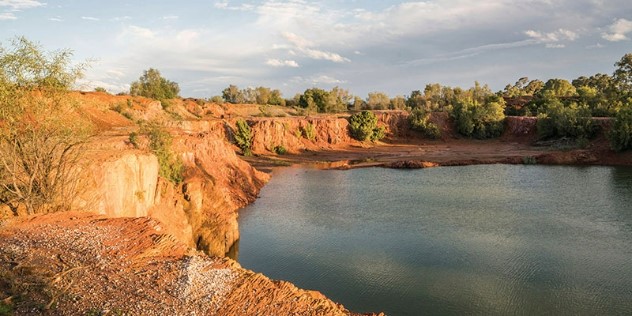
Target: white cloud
[(552, 37), (598, 45), (170, 17), (281, 63), (303, 46), (90, 18), (618, 31), (551, 45), (224, 5), (7, 16), (21, 4), (122, 18), (56, 19), (139, 32), (318, 79)]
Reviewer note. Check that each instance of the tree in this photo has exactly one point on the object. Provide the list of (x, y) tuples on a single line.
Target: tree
[(363, 126), (558, 88), (479, 119), (623, 74), (152, 85), (621, 132), (378, 101), (243, 137), (40, 135), (398, 103), (233, 95), (262, 95), (419, 120)]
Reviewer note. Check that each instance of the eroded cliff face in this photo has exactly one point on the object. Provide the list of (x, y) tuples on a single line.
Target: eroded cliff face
[(200, 212), (217, 183)]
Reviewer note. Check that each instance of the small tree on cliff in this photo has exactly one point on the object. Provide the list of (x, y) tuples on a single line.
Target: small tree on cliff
[(363, 126), (40, 133), (243, 137)]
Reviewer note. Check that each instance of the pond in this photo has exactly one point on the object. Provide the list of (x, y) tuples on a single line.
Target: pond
[(490, 239)]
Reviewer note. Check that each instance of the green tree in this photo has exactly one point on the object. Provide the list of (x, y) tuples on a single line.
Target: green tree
[(243, 137), (621, 132), (623, 75), (152, 85), (40, 137), (314, 99), (378, 101), (398, 103), (363, 126), (262, 95), (556, 120), (558, 88), (233, 95), (479, 119), (419, 120)]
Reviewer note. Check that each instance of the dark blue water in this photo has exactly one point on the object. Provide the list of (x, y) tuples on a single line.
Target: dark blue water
[(487, 240)]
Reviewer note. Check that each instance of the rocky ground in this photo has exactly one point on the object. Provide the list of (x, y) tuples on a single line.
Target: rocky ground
[(85, 264)]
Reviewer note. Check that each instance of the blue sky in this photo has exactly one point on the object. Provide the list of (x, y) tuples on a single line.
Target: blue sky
[(363, 46)]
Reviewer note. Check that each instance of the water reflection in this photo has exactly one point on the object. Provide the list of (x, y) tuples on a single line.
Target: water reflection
[(481, 239)]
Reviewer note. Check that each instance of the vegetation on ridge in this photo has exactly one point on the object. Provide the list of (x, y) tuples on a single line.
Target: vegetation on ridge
[(40, 134)]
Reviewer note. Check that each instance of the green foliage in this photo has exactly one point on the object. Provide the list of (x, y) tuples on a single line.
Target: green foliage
[(419, 120), (621, 132), (243, 137), (363, 126), (378, 101), (40, 144), (557, 120), (623, 75), (133, 139), (280, 150), (480, 120), (558, 88), (319, 100), (309, 131), (100, 89), (160, 141), (152, 85)]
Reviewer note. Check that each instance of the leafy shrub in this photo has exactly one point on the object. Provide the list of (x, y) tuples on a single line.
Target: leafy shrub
[(557, 121), (309, 131), (133, 139), (363, 126), (480, 120), (621, 132), (280, 150), (419, 120), (160, 141), (243, 137), (100, 89)]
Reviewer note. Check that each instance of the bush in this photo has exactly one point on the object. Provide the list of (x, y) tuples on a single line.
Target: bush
[(557, 121), (621, 132), (480, 120), (309, 131), (133, 139), (243, 137), (363, 126), (160, 141), (419, 120), (41, 140), (280, 150)]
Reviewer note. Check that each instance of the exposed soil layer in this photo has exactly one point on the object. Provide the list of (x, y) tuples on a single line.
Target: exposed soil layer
[(77, 263)]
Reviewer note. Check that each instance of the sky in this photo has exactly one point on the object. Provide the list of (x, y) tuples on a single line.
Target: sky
[(363, 46)]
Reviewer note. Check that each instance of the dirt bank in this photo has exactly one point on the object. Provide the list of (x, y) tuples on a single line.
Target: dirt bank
[(76, 263)]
